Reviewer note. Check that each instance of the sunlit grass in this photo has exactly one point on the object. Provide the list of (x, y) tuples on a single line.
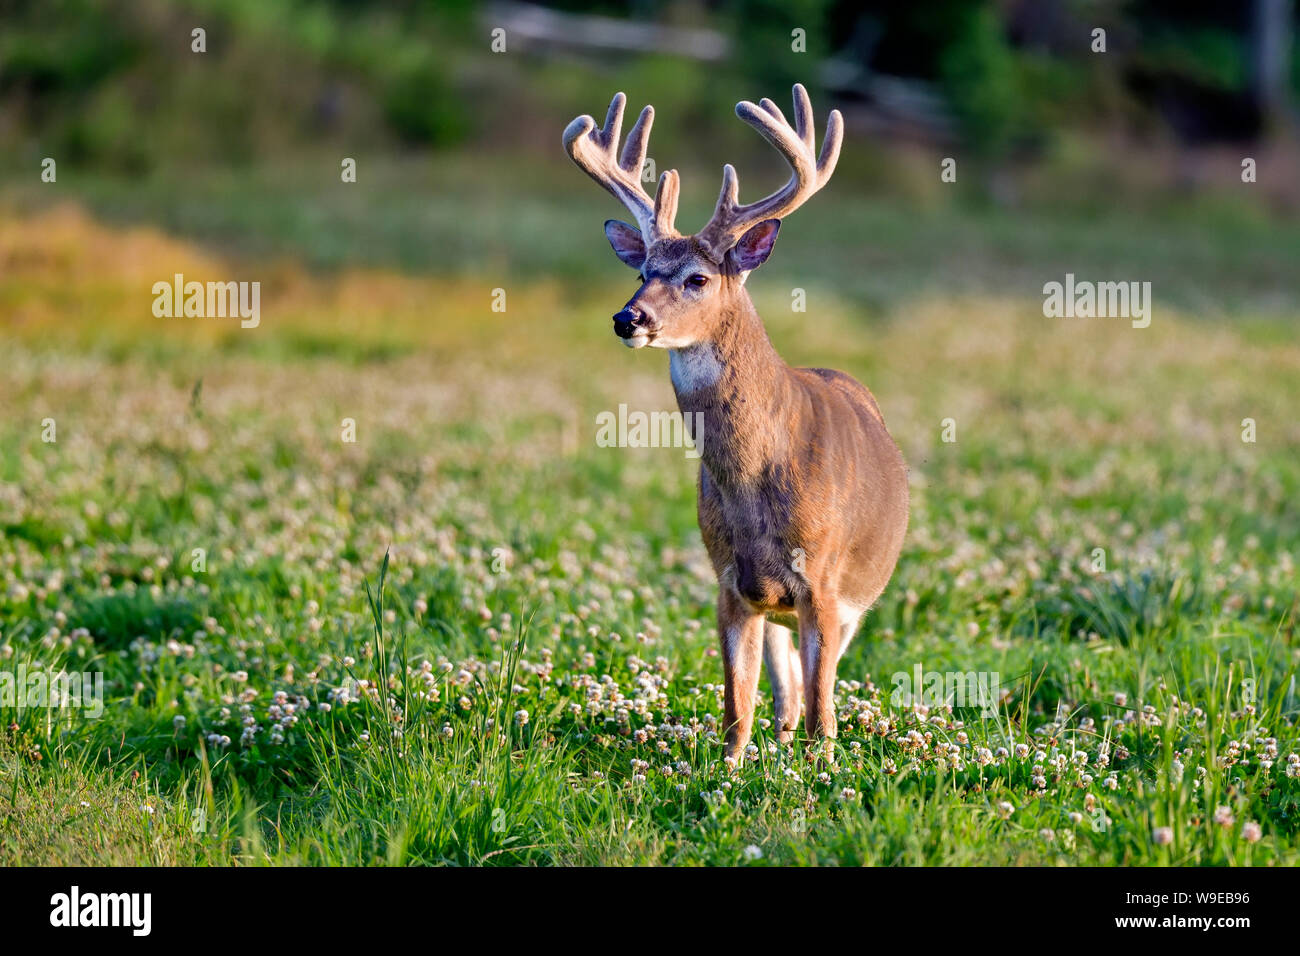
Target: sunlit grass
[(530, 572)]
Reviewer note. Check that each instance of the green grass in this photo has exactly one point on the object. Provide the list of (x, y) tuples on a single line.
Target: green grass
[(383, 614)]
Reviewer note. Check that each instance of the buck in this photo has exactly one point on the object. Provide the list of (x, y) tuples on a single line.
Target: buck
[(802, 491)]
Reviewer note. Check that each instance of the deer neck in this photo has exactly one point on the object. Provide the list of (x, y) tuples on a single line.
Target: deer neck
[(735, 392)]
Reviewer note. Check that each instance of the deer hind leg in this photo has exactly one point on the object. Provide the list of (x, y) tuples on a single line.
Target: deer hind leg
[(786, 677), (819, 646), (741, 633)]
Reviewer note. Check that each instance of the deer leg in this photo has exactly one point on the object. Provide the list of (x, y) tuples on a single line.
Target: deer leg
[(819, 646), (741, 633), (786, 677)]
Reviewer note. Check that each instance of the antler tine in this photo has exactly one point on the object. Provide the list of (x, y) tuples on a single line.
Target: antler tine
[(803, 118), (666, 203), (638, 140), (809, 171), (596, 153)]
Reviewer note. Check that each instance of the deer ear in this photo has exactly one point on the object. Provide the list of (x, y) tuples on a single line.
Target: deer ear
[(755, 245), (627, 242)]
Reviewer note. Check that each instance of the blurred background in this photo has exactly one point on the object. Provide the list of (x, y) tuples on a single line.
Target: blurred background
[(1126, 162)]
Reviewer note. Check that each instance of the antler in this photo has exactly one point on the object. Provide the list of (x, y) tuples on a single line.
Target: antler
[(594, 151), (730, 219)]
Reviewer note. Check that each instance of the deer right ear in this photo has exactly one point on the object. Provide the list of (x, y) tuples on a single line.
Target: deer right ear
[(627, 242)]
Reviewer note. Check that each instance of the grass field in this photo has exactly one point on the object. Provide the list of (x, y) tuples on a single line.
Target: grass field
[(473, 636)]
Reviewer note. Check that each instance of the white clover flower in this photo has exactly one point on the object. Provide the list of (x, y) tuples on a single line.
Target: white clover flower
[(1162, 836)]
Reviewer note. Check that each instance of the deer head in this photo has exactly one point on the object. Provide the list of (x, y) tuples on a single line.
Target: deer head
[(688, 281)]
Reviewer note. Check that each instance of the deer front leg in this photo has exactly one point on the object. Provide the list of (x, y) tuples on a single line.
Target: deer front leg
[(819, 646), (741, 633)]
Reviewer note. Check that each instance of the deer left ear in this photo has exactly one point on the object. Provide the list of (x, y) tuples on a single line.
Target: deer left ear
[(755, 245)]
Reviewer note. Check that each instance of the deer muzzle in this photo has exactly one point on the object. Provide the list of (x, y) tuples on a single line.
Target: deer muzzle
[(634, 326)]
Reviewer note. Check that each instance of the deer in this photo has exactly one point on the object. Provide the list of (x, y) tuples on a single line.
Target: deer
[(802, 491)]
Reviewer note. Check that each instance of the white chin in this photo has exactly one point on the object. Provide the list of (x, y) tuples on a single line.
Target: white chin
[(636, 341)]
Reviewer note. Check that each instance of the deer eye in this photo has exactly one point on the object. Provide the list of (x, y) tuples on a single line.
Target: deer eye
[(698, 281)]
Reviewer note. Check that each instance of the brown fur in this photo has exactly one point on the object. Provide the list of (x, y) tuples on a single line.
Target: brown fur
[(803, 495), (792, 460)]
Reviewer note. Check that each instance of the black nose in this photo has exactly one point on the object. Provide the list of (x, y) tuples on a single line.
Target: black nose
[(628, 322)]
